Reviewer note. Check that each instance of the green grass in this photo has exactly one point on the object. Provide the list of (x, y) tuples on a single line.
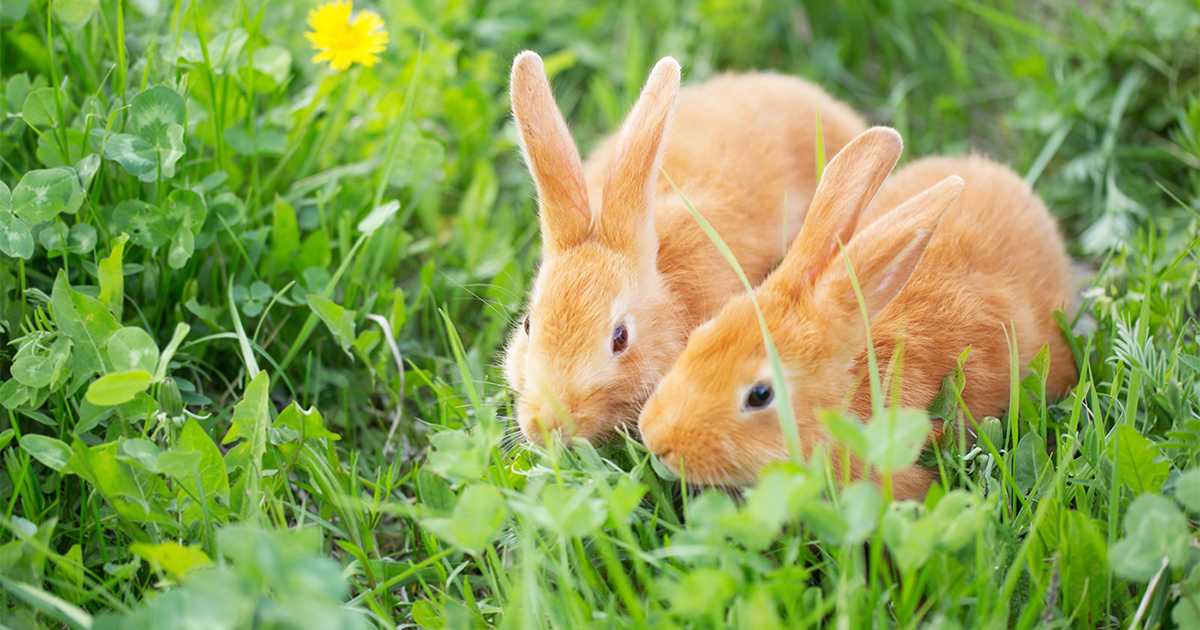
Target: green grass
[(205, 423)]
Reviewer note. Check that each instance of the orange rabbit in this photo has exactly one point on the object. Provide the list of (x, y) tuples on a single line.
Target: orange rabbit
[(626, 272), (959, 249)]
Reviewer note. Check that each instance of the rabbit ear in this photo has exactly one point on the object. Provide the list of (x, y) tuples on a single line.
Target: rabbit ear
[(551, 155), (626, 215), (886, 252), (846, 189)]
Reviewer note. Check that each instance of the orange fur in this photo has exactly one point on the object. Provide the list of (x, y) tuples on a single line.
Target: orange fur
[(620, 246), (978, 261)]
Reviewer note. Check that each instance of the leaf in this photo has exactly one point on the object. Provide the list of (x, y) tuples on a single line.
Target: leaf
[(33, 371), (142, 158), (909, 539), (185, 46), (285, 235), (264, 142), (156, 117), (703, 591), (945, 403), (1137, 458), (187, 208), (14, 11), (1190, 361), (434, 492), (422, 157), (211, 471), (86, 168), (225, 47), (847, 430), (112, 277), (118, 482), (456, 456), (48, 603), (176, 464), (958, 518), (1030, 461), (40, 108), (173, 557), (1154, 528), (573, 513), (271, 67), (154, 110), (146, 225), (164, 360), (1083, 564), (426, 615), (861, 508), (86, 322), (339, 320), (895, 441), (314, 251), (308, 424), (477, 518), (43, 195), (626, 496), (250, 422), (81, 239), (13, 394), (118, 387), (378, 216), (249, 412), (141, 452), (243, 340), (183, 245), (1187, 490), (49, 451), (132, 348), (90, 416), (73, 14), (16, 240), (60, 359)]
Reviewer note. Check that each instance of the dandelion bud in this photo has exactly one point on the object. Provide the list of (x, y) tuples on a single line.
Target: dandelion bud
[(994, 430), (170, 402)]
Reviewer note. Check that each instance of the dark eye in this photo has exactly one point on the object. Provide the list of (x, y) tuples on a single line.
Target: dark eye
[(620, 339), (760, 396), (526, 325)]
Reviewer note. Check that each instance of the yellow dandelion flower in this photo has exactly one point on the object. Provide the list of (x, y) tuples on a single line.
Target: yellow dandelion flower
[(344, 40)]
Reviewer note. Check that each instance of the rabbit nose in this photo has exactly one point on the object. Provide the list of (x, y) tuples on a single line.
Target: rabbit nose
[(669, 459), (544, 418)]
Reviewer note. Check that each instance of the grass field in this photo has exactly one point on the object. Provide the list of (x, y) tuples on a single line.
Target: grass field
[(215, 255)]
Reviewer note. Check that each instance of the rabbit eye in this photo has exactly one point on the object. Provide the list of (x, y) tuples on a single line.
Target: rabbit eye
[(760, 396), (527, 325), (620, 339)]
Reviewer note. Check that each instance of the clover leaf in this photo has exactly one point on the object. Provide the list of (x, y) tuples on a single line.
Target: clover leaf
[(156, 118)]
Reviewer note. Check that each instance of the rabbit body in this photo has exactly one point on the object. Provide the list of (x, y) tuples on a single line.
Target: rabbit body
[(995, 260), (627, 272), (939, 269), (739, 145)]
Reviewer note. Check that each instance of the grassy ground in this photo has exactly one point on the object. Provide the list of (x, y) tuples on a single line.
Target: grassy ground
[(208, 244)]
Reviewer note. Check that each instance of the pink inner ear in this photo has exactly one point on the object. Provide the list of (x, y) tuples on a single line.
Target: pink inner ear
[(881, 287), (551, 155)]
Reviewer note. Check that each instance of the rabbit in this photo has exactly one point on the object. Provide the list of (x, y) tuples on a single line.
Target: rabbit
[(626, 270), (951, 253)]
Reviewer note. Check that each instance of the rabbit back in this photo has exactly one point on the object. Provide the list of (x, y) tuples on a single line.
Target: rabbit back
[(996, 263)]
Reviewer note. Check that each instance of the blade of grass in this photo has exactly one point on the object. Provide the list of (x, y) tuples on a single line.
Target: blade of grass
[(787, 418)]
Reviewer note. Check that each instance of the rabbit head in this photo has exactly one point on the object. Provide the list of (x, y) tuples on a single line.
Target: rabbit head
[(715, 414), (600, 327)]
